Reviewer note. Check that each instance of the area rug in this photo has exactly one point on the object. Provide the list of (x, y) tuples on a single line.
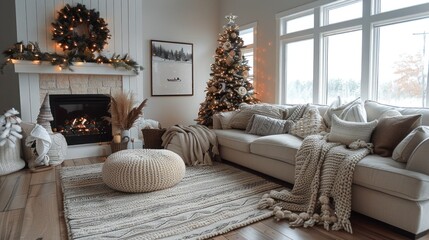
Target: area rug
[(209, 201)]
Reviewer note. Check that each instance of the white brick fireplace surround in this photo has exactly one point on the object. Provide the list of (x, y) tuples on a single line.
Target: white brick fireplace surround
[(35, 80)]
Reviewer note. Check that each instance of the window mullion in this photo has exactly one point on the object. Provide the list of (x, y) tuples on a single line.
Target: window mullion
[(366, 76), (317, 87)]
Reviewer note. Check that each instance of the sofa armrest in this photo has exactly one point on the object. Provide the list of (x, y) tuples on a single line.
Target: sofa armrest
[(419, 161)]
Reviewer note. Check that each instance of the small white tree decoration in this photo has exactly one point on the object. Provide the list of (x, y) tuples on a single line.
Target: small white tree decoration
[(10, 128)]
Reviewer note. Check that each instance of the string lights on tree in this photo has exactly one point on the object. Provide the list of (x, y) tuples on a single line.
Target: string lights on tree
[(229, 85)]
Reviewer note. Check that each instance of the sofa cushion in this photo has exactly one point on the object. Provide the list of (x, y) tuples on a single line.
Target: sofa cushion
[(240, 120), (388, 176), (374, 110), (225, 118), (406, 147), (346, 132), (235, 139), (281, 147), (310, 123), (352, 111), (390, 131), (263, 125), (419, 158)]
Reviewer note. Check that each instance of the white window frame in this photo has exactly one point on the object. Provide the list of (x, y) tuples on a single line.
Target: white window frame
[(251, 47), (370, 19)]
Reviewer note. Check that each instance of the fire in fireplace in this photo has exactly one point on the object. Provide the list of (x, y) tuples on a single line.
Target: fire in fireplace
[(80, 117)]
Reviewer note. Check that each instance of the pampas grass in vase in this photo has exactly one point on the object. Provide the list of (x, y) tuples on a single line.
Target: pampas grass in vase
[(123, 111)]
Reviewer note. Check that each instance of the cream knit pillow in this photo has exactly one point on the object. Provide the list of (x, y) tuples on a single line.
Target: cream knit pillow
[(346, 132), (310, 123)]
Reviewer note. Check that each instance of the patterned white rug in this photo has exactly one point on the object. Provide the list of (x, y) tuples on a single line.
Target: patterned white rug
[(209, 201)]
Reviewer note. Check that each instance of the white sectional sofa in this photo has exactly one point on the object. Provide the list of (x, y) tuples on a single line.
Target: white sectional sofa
[(382, 189)]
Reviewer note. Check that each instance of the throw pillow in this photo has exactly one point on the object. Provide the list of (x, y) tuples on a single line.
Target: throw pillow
[(310, 123), (391, 130), (352, 111), (225, 119), (241, 119), (346, 132), (390, 113), (418, 161), (406, 147), (263, 125), (298, 112)]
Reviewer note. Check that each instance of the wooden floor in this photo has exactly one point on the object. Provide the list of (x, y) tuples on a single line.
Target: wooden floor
[(31, 208)]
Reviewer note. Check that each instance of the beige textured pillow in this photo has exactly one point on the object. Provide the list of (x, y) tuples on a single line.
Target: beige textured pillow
[(352, 111), (390, 131), (346, 132), (263, 125), (418, 161), (241, 119), (225, 118), (406, 147), (310, 123)]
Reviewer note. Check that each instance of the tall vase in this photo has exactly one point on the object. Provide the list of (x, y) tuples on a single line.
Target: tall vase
[(125, 136), (58, 151), (10, 159)]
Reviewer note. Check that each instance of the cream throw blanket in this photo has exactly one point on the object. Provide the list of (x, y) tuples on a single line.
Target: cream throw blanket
[(322, 190), (197, 142)]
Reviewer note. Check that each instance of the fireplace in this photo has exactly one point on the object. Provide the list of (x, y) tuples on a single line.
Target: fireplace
[(81, 117)]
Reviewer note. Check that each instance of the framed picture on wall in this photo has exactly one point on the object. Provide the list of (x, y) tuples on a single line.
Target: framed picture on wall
[(172, 68)]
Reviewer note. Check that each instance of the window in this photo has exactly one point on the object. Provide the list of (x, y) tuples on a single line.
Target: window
[(298, 23), (389, 5), (403, 54), (248, 33), (343, 65), (342, 12), (299, 76), (375, 49)]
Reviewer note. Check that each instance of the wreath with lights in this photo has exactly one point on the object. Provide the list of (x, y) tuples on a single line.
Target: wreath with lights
[(78, 29), (79, 32)]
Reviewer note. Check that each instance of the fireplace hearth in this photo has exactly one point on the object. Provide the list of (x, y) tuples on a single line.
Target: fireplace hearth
[(81, 117)]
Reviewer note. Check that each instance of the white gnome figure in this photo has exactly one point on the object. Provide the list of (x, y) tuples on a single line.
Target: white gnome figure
[(10, 128)]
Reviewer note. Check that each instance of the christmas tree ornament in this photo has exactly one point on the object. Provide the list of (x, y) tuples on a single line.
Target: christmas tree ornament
[(242, 91), (227, 45)]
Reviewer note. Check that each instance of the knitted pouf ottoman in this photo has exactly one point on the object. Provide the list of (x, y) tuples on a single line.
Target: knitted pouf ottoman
[(143, 170)]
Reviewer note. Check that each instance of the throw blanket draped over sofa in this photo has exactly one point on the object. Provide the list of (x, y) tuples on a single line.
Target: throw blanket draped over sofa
[(195, 144), (324, 171)]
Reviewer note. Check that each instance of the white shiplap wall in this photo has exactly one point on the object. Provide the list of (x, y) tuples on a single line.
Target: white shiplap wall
[(124, 18)]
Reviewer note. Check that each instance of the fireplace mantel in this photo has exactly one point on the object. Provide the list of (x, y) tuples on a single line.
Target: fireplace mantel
[(23, 66)]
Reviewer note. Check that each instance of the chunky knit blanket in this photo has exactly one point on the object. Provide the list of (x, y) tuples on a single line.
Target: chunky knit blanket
[(198, 144), (323, 181)]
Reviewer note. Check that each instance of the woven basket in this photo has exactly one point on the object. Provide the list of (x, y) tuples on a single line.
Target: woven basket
[(152, 138), (116, 147)]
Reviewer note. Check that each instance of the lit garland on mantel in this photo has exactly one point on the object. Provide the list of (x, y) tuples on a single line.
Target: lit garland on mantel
[(80, 33), (32, 52)]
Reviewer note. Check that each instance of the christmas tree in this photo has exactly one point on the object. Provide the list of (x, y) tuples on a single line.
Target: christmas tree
[(228, 86)]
